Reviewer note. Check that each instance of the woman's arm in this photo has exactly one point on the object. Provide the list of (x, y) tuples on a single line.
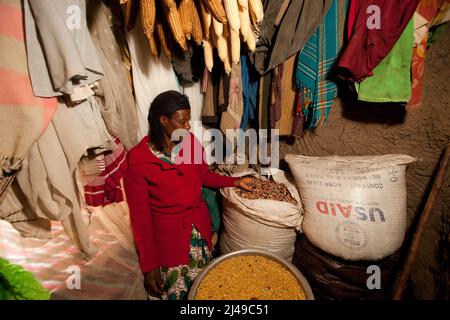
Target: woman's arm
[(141, 221)]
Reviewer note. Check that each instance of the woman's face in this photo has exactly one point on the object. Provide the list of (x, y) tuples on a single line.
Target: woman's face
[(178, 120)]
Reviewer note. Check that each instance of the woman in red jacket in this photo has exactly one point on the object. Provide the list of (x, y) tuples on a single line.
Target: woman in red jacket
[(170, 221)]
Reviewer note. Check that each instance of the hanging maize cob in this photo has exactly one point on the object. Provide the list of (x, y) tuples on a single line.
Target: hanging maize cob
[(227, 66), (235, 42), (251, 40), (256, 7), (208, 54), (205, 18), (216, 9), (175, 24), (165, 38), (148, 14), (186, 17), (197, 32), (231, 9), (243, 3), (217, 27), (154, 45), (245, 22)]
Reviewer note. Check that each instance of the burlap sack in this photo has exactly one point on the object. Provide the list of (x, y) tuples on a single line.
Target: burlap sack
[(355, 207), (261, 224)]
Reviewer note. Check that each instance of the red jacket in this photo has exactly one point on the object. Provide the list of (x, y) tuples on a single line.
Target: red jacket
[(164, 201)]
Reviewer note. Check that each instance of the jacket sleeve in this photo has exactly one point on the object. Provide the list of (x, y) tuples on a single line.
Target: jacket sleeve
[(212, 179), (141, 221)]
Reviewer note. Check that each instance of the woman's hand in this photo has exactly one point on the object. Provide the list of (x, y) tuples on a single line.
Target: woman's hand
[(153, 282), (244, 183)]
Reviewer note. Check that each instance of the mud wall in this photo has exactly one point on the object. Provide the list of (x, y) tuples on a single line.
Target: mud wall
[(361, 129)]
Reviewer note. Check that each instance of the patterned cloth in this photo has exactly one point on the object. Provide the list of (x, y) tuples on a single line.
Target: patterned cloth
[(315, 62), (24, 117), (177, 280), (105, 188), (425, 14)]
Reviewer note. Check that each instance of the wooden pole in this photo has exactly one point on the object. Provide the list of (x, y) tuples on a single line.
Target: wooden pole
[(437, 184)]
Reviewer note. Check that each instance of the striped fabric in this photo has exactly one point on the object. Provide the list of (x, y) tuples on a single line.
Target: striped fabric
[(24, 117), (314, 64), (106, 189), (113, 273)]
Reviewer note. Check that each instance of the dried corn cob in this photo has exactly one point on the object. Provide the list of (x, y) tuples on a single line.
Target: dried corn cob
[(197, 32), (186, 17), (205, 18), (227, 66), (215, 7), (251, 41), (222, 48), (165, 37), (154, 45), (175, 24), (245, 22), (231, 9), (217, 27), (235, 46), (243, 3), (208, 54), (256, 7), (148, 14)]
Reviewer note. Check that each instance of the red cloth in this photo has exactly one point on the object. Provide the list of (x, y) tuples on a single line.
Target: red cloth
[(367, 47), (164, 201), (105, 189)]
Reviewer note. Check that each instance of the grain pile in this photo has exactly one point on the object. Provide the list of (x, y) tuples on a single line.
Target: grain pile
[(268, 189), (250, 278)]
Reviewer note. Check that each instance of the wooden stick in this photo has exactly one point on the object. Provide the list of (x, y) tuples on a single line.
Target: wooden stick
[(437, 184)]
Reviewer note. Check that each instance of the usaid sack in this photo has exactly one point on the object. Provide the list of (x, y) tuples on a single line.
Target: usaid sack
[(261, 224), (354, 207)]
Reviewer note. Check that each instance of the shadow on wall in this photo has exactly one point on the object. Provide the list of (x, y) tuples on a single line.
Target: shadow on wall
[(384, 113)]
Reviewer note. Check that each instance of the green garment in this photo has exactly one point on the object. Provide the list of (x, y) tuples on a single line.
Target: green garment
[(210, 197), (391, 80), (18, 284)]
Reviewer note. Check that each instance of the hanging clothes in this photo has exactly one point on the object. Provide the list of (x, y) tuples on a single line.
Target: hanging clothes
[(279, 40), (288, 97), (314, 66), (250, 84), (425, 15), (196, 96), (150, 75), (264, 100), (115, 95), (105, 188), (56, 31), (24, 117), (48, 185), (231, 118), (275, 97), (369, 45), (391, 80)]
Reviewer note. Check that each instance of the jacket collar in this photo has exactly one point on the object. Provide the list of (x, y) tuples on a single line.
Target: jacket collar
[(141, 153)]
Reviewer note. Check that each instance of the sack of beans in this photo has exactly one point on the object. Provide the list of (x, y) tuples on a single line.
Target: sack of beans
[(266, 218), (355, 207)]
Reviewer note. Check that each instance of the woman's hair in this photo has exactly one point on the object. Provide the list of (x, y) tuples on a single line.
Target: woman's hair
[(164, 104)]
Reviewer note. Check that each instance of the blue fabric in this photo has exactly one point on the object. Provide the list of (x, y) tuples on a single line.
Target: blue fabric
[(250, 84)]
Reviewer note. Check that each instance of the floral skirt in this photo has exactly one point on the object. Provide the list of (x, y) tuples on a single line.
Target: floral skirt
[(177, 280)]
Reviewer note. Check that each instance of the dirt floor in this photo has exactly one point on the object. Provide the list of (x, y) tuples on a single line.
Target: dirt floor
[(361, 129)]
